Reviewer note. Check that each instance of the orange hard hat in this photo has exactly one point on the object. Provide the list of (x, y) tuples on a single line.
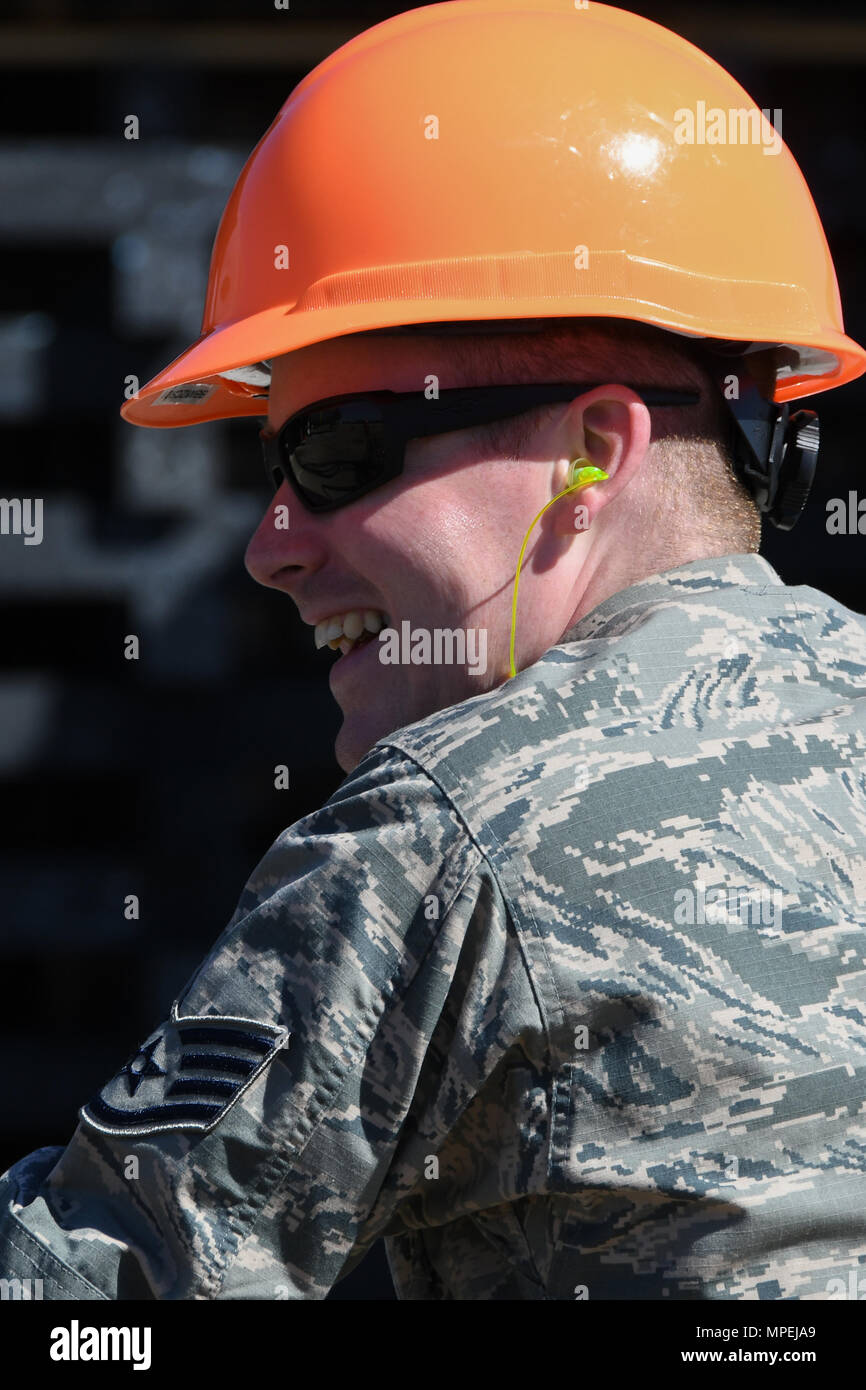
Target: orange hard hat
[(510, 159)]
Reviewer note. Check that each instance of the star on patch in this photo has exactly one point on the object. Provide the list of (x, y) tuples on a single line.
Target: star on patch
[(137, 1069)]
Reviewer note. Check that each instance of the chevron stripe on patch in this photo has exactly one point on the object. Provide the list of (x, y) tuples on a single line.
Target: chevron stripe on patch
[(186, 1075)]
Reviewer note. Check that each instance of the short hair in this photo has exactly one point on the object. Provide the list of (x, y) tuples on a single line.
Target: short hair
[(690, 502)]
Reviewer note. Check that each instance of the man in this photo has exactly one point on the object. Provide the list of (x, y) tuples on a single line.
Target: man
[(456, 490), (562, 990)]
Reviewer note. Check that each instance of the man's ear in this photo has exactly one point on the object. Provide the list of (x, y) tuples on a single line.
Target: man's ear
[(609, 427)]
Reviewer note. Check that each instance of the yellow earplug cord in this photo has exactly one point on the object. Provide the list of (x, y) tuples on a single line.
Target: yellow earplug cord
[(577, 478)]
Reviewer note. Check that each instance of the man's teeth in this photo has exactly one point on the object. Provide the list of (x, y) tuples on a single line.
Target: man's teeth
[(344, 628)]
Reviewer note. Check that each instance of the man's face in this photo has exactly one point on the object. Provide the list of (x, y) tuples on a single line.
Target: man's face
[(436, 547)]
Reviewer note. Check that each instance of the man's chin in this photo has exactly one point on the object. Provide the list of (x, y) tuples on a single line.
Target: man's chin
[(353, 742), (361, 729)]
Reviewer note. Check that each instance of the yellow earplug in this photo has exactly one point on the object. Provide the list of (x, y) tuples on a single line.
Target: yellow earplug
[(578, 477)]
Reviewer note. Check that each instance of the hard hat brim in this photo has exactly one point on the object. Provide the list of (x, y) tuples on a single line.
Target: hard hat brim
[(191, 389)]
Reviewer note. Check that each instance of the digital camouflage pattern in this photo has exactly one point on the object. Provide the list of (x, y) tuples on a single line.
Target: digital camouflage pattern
[(459, 1005)]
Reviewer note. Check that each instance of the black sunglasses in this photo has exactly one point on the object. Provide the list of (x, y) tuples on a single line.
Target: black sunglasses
[(335, 451)]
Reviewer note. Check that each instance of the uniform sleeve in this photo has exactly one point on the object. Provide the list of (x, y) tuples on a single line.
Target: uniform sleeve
[(240, 1151)]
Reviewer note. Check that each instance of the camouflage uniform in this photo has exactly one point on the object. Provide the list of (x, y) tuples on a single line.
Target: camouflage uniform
[(509, 1052)]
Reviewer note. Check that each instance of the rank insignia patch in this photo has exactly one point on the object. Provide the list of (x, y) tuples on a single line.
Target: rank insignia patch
[(187, 1075)]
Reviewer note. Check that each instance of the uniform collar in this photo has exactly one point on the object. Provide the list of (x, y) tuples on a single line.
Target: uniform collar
[(746, 571)]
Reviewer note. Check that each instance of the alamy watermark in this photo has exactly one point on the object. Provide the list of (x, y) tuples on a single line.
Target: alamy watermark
[(733, 907), (443, 646), (740, 125), (22, 516), (77, 1343), (846, 517), (20, 1290), (853, 1288)]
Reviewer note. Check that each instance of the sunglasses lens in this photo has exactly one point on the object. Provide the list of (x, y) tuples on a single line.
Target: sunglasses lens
[(336, 454)]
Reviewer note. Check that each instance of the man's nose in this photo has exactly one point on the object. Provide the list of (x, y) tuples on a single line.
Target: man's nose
[(284, 542)]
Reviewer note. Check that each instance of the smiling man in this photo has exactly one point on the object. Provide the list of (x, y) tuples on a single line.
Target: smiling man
[(436, 547), (561, 992)]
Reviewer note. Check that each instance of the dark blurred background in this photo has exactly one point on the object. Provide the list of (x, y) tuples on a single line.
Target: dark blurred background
[(156, 777)]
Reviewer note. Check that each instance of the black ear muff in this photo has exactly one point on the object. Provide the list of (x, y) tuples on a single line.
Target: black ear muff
[(798, 459), (773, 452)]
